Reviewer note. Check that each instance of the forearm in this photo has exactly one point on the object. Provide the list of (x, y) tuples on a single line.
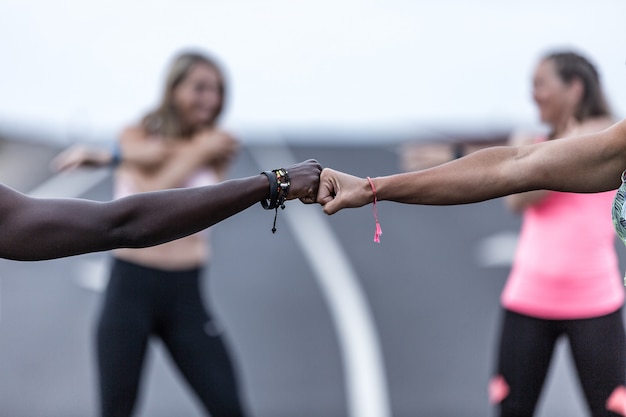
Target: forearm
[(175, 172), (157, 217), (483, 175), (140, 220), (169, 175), (141, 152), (584, 164), (181, 164)]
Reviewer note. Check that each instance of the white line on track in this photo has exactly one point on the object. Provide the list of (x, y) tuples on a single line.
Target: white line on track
[(497, 249), (362, 359)]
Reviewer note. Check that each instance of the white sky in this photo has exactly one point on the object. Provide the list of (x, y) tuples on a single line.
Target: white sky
[(81, 66)]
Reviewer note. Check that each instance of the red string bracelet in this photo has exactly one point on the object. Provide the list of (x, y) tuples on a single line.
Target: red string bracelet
[(379, 230)]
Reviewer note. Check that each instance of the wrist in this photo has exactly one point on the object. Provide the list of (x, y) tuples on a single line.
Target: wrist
[(279, 184), (369, 188), (271, 198), (379, 230)]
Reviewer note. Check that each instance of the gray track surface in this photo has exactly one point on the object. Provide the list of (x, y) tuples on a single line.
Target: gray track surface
[(435, 308)]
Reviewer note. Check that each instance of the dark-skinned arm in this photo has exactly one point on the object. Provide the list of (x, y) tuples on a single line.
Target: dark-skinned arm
[(37, 229)]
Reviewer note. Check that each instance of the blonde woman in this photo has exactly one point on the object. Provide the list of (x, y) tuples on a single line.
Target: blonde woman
[(155, 292)]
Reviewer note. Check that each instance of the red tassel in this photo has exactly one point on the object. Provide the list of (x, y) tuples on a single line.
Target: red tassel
[(378, 232)]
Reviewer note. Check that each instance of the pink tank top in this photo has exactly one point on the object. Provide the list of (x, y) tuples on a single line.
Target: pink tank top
[(565, 266)]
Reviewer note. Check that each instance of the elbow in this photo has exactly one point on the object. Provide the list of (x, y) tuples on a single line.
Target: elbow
[(130, 234), (123, 228)]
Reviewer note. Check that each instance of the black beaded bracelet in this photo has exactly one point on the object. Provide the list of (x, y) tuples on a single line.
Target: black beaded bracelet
[(272, 202), (279, 191), (284, 182)]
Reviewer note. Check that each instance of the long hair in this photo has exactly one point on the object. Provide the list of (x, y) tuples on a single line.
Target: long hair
[(165, 120), (570, 66)]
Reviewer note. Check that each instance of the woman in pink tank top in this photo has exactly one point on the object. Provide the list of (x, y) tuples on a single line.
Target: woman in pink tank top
[(565, 279)]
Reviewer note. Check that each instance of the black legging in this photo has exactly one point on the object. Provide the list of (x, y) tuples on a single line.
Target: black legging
[(598, 348), (141, 302)]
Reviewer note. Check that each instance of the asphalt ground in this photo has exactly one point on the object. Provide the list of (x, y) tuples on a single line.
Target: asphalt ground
[(428, 293)]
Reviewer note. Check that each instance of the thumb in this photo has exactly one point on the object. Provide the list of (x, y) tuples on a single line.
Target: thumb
[(324, 198), (332, 206)]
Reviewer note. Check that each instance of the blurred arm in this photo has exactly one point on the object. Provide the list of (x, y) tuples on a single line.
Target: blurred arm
[(137, 149), (417, 156), (214, 148), (142, 151)]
